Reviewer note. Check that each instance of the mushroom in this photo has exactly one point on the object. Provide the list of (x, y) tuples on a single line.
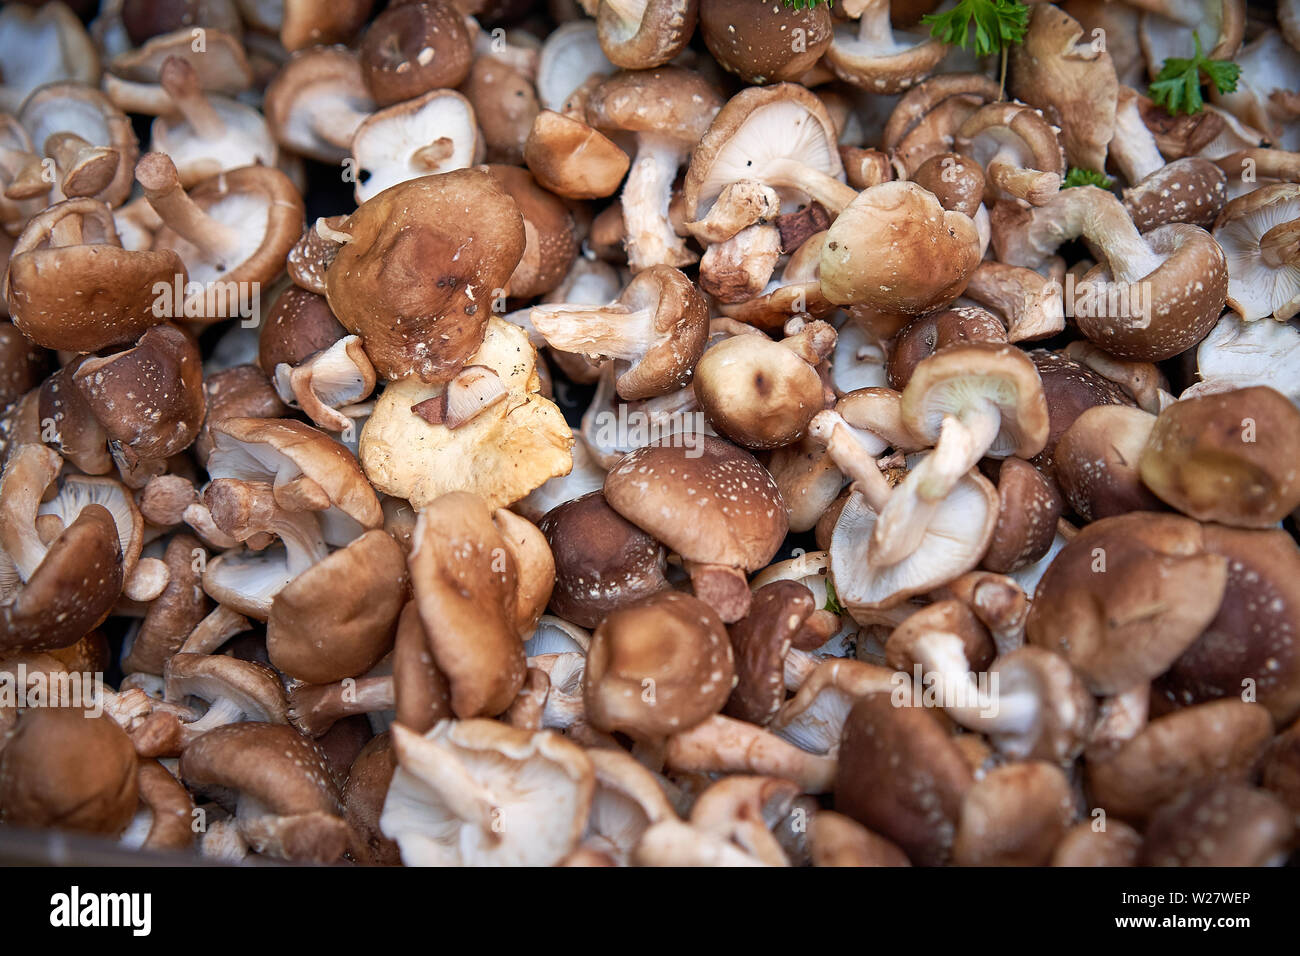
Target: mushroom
[(723, 745), (925, 120), (476, 792), (1015, 815), (434, 133), (896, 249), (363, 800), (837, 840), (760, 641), (813, 719), (628, 800), (668, 110), (935, 331), (874, 56), (93, 144), (638, 36), (1219, 824), (1191, 189), (551, 237), (1017, 148), (1097, 462), (413, 48), (1029, 506), (1260, 236), (43, 44), (71, 253), (1237, 354), (279, 786), (166, 816), (235, 690), (412, 319), (505, 102), (316, 102), (573, 160), (737, 517), (329, 383), (761, 49)]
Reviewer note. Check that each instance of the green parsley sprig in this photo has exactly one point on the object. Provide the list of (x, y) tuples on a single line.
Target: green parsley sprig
[(1178, 85), (832, 599), (998, 24), (1078, 176), (807, 4)]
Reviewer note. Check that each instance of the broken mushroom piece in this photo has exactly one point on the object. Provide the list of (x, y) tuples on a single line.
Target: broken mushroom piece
[(737, 520), (477, 792)]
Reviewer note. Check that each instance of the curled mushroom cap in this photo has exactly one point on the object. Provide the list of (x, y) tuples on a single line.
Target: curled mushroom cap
[(637, 36), (88, 122), (657, 667), (760, 641), (895, 248), (71, 253), (1121, 577), (501, 452), (1261, 238), (415, 320), (288, 803), (1017, 147), (1226, 457), (478, 792), (737, 520), (573, 160), (759, 49), (63, 767)]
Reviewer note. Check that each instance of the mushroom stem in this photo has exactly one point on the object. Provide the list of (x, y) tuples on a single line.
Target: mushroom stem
[(157, 174), (963, 441), (220, 712), (646, 196), (30, 470), (245, 508), (314, 709), (819, 186), (611, 331), (853, 456), (1133, 147), (1032, 185), (431, 157), (214, 630), (181, 83), (1280, 246), (874, 28)]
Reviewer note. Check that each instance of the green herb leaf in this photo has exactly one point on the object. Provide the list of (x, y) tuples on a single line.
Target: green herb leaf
[(1177, 87), (998, 24), (807, 4), (832, 599), (1086, 177)]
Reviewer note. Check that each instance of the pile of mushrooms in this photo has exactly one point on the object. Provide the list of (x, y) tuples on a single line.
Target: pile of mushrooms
[(681, 432)]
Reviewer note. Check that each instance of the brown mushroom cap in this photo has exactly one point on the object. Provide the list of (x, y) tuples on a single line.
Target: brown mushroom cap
[(336, 619), (299, 325), (421, 695), (895, 248), (1221, 739), (1228, 457), (757, 392), (760, 641), (63, 768), (551, 237), (643, 35), (1219, 824), (657, 667), (573, 160), (89, 293), (1191, 190), (1085, 845), (934, 332), (171, 811), (363, 798), (602, 561), (174, 613), (1097, 462), (837, 840), (957, 181), (240, 392), (1126, 597), (414, 320), (760, 48), (1070, 389), (902, 776), (1014, 815), (415, 47), (1028, 508)]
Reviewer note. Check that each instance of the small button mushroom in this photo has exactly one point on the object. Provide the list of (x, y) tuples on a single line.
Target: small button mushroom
[(1097, 462), (1250, 642), (656, 667), (1084, 844), (316, 102), (1073, 84), (668, 110), (382, 288), (602, 561), (902, 776), (53, 593), (737, 520), (1135, 574), (757, 392), (895, 248), (1032, 305), (957, 182), (436, 133), (508, 796), (62, 767), (872, 56), (927, 334), (71, 253), (414, 48), (573, 160), (758, 49), (149, 398), (644, 35), (505, 102), (278, 784), (1015, 815), (1219, 824), (336, 619), (1221, 739), (1227, 457), (837, 840), (299, 325)]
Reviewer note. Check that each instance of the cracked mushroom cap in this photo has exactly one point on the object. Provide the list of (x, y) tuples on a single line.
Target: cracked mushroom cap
[(657, 667), (286, 779), (63, 768), (52, 595), (1220, 824), (896, 249), (501, 454), (1228, 457), (717, 506), (337, 618), (1222, 739), (436, 133), (1126, 597), (382, 288), (759, 48), (309, 470), (466, 583), (645, 34), (964, 378), (412, 48), (903, 776), (1259, 236), (71, 285), (602, 561), (478, 792)]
